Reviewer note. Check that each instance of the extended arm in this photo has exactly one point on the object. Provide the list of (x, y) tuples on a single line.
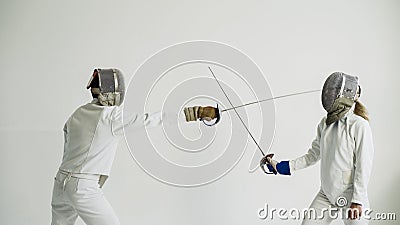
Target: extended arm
[(136, 121), (313, 154), (308, 159)]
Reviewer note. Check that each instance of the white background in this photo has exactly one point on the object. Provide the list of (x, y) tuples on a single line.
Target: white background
[(48, 50)]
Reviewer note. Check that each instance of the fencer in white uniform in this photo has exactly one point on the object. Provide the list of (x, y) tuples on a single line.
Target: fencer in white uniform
[(344, 146), (91, 136)]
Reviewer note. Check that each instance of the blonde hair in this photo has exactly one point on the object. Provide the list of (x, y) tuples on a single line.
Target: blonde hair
[(360, 110)]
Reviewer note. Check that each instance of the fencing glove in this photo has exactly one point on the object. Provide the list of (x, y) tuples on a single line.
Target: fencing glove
[(275, 166), (207, 113)]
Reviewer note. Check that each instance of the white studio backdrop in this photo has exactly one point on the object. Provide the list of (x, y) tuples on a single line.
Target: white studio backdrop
[(48, 50)]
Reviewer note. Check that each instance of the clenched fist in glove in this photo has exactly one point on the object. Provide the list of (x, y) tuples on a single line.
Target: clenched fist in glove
[(275, 166), (198, 112)]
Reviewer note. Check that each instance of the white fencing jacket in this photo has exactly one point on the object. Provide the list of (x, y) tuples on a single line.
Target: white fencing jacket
[(345, 149), (91, 137)]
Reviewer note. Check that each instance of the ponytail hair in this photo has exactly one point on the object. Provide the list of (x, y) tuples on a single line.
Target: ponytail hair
[(360, 110)]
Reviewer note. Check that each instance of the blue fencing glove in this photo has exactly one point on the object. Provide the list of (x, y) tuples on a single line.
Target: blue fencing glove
[(283, 168), (274, 166)]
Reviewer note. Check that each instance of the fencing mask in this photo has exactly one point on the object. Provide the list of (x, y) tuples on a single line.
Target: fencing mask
[(108, 85), (338, 95)]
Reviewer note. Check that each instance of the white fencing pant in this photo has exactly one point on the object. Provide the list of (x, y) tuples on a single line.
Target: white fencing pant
[(321, 203), (80, 197)]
